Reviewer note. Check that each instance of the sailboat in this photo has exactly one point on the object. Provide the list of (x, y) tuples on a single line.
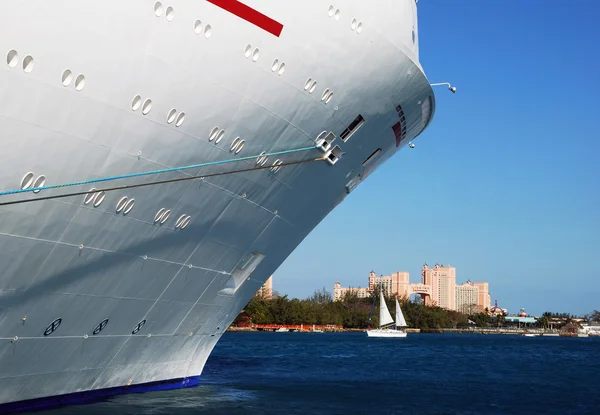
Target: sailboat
[(387, 327)]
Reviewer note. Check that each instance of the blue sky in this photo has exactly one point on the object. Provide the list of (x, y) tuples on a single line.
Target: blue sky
[(504, 184)]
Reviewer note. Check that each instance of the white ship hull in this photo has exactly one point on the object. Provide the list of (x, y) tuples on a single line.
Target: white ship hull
[(93, 297), (385, 333)]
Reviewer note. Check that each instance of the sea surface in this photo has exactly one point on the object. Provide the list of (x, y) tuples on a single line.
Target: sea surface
[(348, 373)]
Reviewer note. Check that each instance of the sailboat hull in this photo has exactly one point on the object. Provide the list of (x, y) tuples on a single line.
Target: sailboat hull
[(385, 333)]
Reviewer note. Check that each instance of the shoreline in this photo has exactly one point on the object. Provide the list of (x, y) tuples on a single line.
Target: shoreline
[(479, 330)]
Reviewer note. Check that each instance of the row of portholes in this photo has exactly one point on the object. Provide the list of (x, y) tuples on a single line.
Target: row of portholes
[(28, 182), (163, 215), (327, 96), (67, 78), (262, 159), (216, 134), (172, 116), (12, 60), (52, 327), (125, 205), (310, 85), (356, 25), (278, 67), (158, 11), (333, 12), (237, 145), (137, 103), (250, 52), (276, 166), (198, 29), (96, 197)]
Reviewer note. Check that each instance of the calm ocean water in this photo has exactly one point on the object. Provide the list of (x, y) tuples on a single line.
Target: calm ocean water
[(346, 373)]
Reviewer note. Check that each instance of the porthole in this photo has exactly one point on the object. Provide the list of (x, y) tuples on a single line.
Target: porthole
[(67, 77), (170, 14), (234, 143), (138, 327), (353, 24), (158, 9), (121, 204), (240, 146), (331, 11), (39, 182), (248, 51), (337, 14), (147, 106), (359, 28), (129, 206), (27, 181), (79, 82), (52, 327), (136, 103), (165, 217), (171, 115), (281, 69), (260, 158), (180, 221), (329, 98), (308, 84), (89, 197), (325, 93), (28, 64), (100, 326), (99, 198), (208, 31), (198, 27), (255, 54), (12, 58), (180, 119), (186, 222), (275, 65), (276, 166), (220, 136), (159, 215), (213, 133), (313, 86)]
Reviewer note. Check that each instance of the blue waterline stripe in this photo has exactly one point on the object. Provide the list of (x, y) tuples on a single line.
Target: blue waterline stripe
[(78, 398), (148, 173)]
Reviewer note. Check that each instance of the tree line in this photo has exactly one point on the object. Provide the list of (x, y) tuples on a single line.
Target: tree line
[(353, 312)]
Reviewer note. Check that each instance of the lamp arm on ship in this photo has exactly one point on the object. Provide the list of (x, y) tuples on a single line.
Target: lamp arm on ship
[(450, 87)]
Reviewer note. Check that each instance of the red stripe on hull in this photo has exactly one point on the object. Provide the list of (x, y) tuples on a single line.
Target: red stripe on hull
[(250, 15)]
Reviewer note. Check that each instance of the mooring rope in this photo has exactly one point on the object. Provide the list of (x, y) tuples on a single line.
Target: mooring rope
[(148, 173), (131, 186)]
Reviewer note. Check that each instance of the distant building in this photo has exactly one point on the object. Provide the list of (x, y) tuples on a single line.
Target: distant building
[(396, 284), (442, 280), (437, 288), (266, 291), (467, 298), (497, 310), (339, 292)]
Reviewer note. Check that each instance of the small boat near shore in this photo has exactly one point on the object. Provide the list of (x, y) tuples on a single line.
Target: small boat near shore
[(387, 326)]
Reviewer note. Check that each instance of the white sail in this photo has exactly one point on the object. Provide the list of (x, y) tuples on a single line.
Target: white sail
[(400, 321), (385, 317)]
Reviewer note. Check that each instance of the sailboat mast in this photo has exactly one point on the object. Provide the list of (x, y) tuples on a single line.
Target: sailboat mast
[(371, 313)]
